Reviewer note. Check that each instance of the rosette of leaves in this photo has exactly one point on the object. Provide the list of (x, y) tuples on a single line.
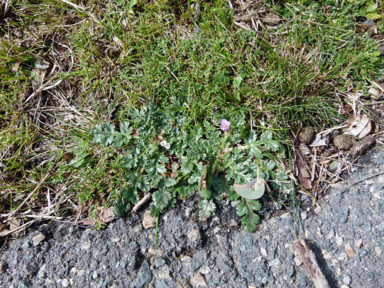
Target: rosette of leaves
[(185, 166)]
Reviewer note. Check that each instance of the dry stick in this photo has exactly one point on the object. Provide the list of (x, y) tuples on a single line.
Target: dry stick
[(371, 104), (26, 225), (142, 202), (30, 195), (310, 263), (82, 9)]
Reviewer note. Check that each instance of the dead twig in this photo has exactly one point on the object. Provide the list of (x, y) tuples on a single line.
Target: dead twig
[(310, 263), (82, 9), (141, 202)]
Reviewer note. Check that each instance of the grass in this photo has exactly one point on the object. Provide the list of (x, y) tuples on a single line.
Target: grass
[(114, 56)]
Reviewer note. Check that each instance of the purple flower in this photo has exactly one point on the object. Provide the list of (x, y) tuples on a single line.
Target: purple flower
[(224, 124)]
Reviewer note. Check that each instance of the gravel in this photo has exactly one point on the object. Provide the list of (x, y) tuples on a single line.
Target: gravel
[(344, 229)]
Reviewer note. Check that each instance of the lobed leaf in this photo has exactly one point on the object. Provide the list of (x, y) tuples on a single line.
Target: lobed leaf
[(206, 209)]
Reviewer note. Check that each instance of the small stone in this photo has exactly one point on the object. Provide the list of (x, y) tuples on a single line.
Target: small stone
[(234, 203), (148, 220), (25, 245), (184, 258), (194, 235), (222, 241), (359, 243), (144, 276), (137, 228), (73, 270), (95, 275), (349, 250), (86, 246), (159, 262), (319, 232), (342, 257), (304, 215), (216, 230), (333, 166), (347, 280), (38, 239), (156, 252), (263, 252), (233, 222), (274, 263), (339, 240), (306, 135), (205, 270), (344, 286), (378, 251), (65, 283), (317, 209), (188, 212), (198, 281), (343, 141), (115, 240), (163, 273), (298, 261), (41, 273)]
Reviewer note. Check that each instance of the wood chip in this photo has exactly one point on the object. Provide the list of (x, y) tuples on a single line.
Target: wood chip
[(108, 215), (310, 263)]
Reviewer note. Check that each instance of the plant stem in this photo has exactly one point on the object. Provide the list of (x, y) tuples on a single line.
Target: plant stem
[(157, 227)]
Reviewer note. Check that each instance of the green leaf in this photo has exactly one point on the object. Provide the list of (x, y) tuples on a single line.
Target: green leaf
[(129, 162), (121, 208), (254, 205), (196, 177), (250, 218), (254, 151), (169, 182), (362, 11), (142, 183), (107, 136), (252, 190), (232, 195), (162, 158), (129, 194), (250, 221), (187, 165), (155, 211), (372, 6), (97, 133), (161, 199), (123, 137), (206, 194), (373, 15), (266, 140), (237, 81), (156, 168), (281, 176), (78, 160), (185, 190), (269, 165), (206, 209), (242, 209)]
